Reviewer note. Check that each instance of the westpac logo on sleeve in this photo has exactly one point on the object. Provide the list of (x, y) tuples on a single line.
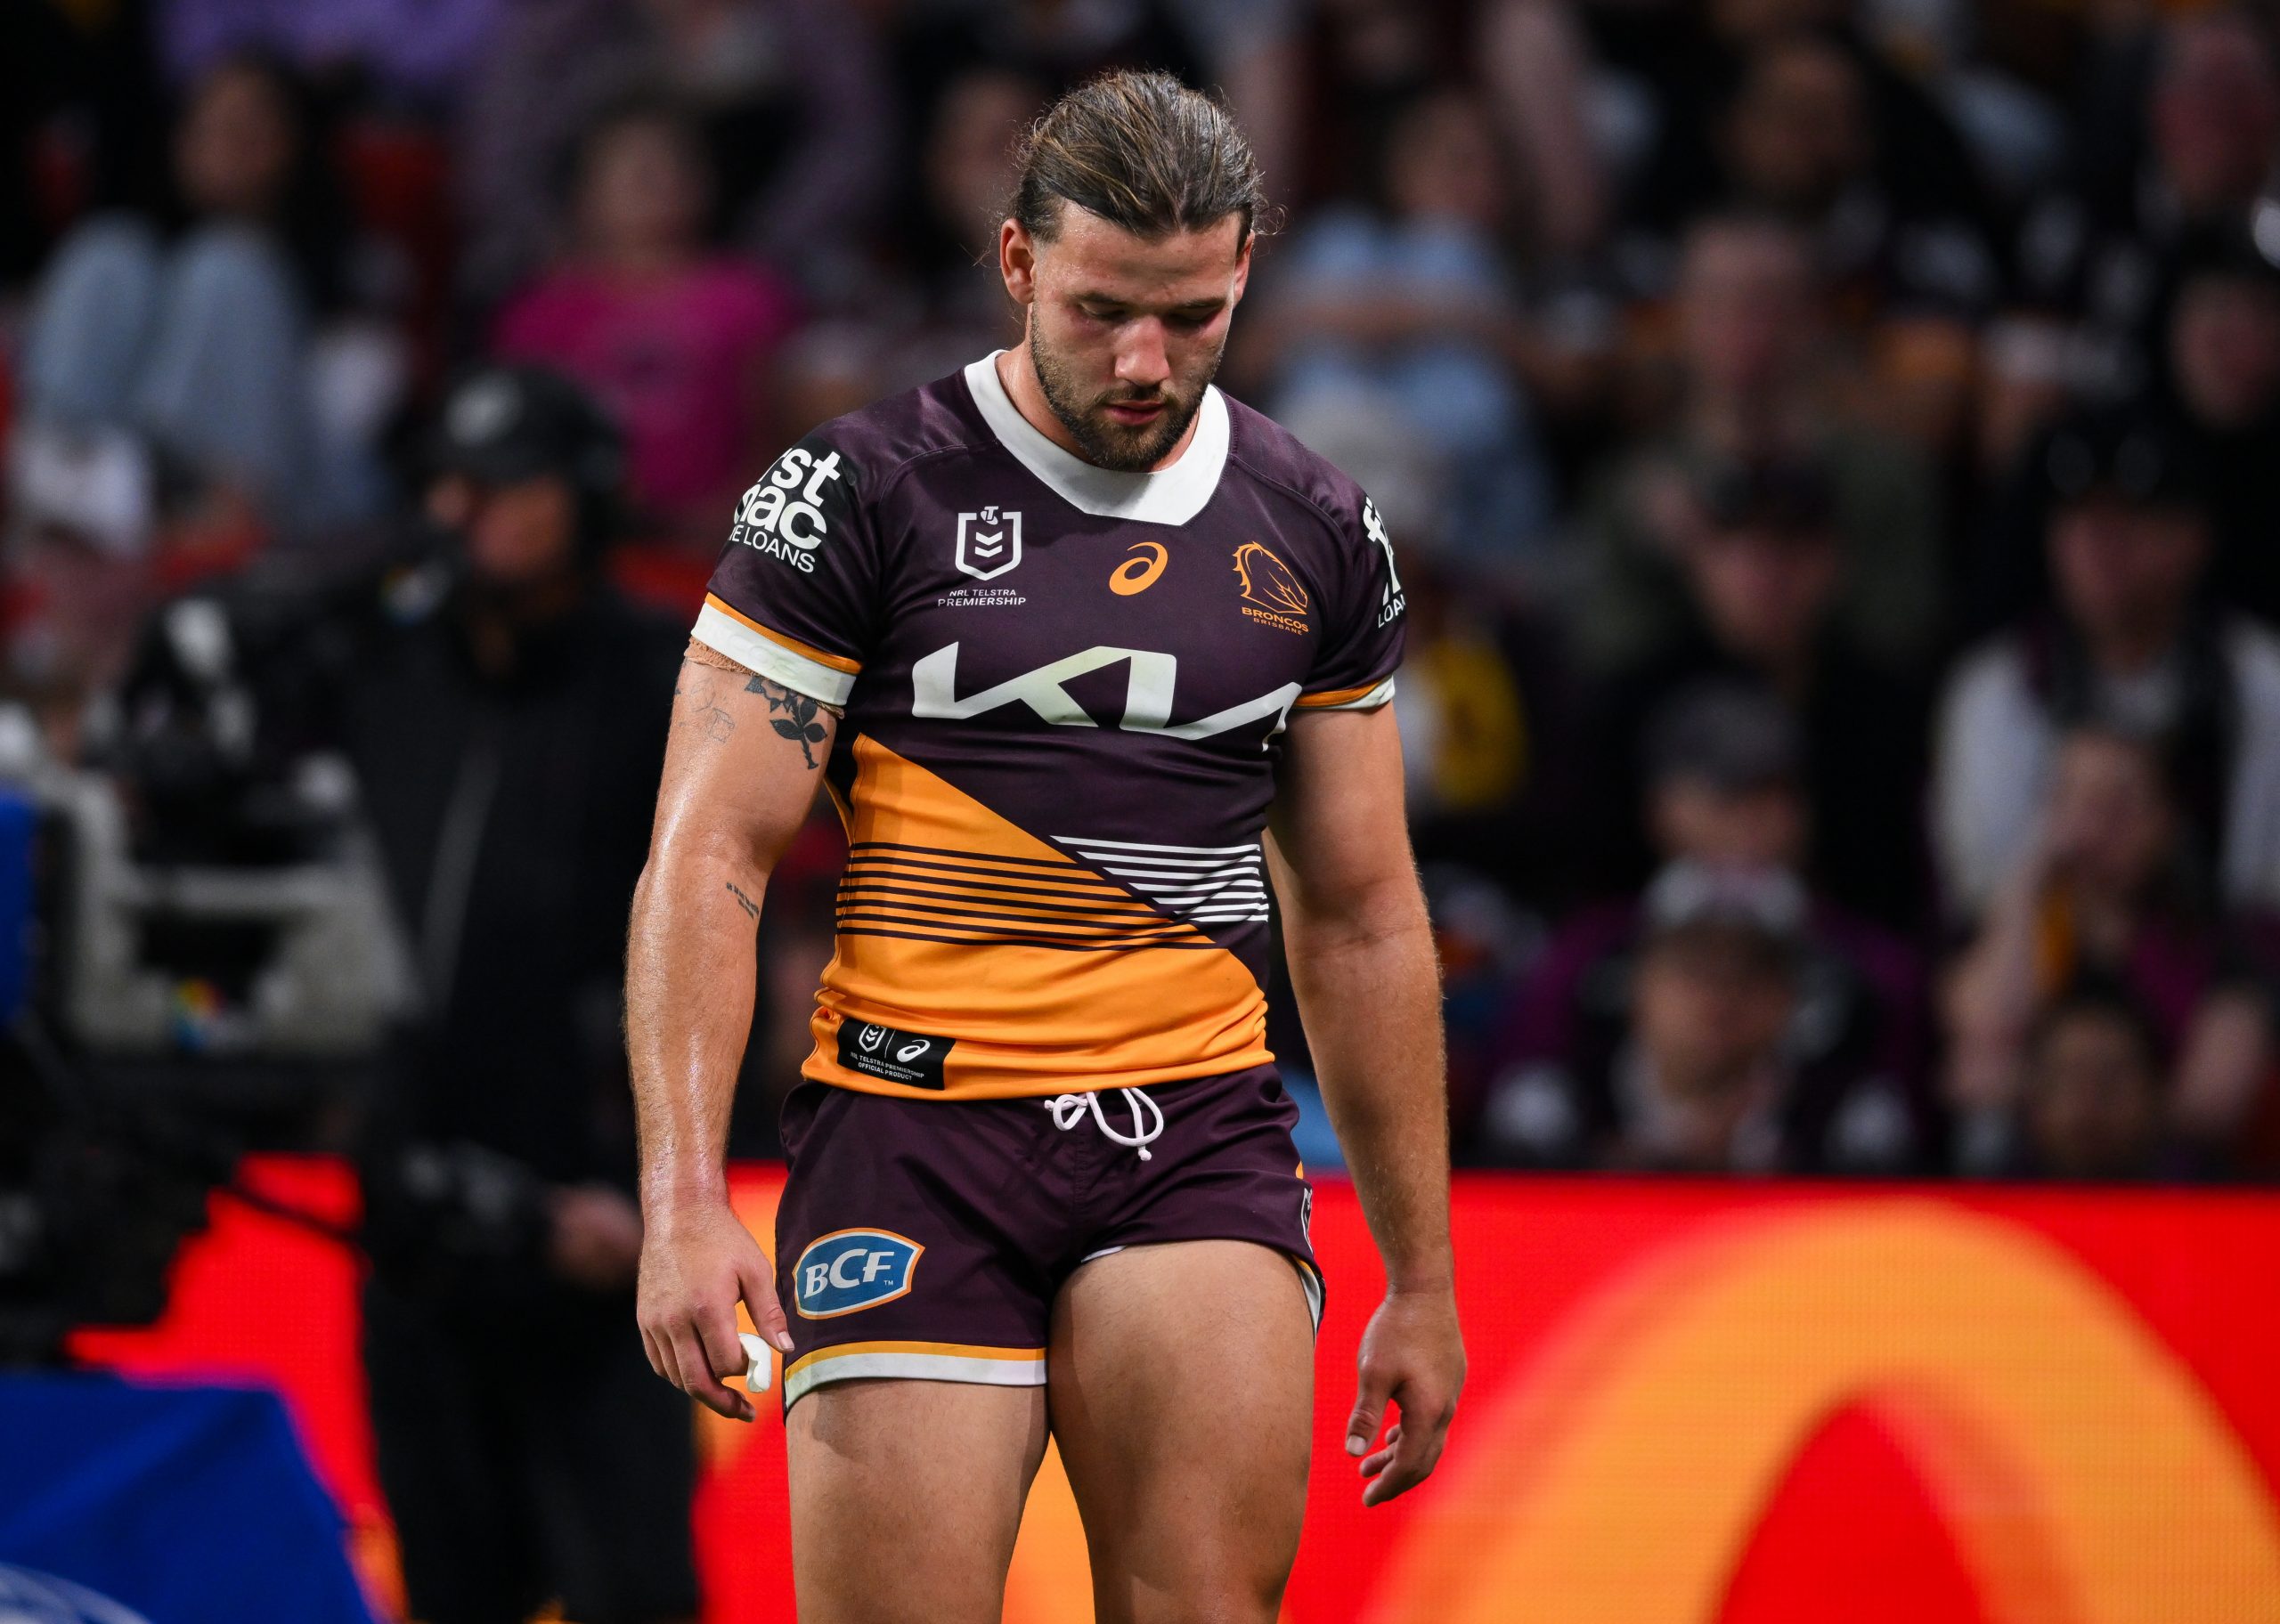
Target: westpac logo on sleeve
[(850, 1270), (788, 514)]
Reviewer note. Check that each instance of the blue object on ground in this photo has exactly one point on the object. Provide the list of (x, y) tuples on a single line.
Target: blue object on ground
[(178, 1505)]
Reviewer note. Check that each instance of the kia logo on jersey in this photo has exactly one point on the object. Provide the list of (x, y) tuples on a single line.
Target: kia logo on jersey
[(1147, 696), (848, 1271), (990, 543)]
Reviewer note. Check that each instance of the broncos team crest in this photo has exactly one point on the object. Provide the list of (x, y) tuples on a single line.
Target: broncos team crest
[(1271, 592), (990, 543)]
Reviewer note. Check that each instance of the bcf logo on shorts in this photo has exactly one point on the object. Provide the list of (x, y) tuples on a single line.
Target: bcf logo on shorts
[(849, 1269)]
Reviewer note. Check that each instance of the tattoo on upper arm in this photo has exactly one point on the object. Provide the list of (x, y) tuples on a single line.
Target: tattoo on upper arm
[(707, 718), (742, 901), (798, 719)]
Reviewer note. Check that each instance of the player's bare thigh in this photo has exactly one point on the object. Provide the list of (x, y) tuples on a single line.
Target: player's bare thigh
[(906, 1496), (1182, 1382)]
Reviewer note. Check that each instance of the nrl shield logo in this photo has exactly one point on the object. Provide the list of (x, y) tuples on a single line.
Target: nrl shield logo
[(990, 543)]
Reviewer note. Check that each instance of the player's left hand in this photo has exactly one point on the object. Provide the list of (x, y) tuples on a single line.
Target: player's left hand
[(1412, 1356)]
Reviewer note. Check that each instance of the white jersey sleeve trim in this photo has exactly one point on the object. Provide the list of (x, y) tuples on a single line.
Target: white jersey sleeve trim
[(1169, 495), (725, 634)]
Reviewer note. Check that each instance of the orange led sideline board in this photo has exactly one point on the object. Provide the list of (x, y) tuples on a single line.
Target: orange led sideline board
[(1691, 1403)]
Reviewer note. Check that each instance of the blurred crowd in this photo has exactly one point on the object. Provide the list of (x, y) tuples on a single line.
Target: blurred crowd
[(1830, 445)]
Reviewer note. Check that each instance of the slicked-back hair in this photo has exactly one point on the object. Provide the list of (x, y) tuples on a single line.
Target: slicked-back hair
[(1143, 153)]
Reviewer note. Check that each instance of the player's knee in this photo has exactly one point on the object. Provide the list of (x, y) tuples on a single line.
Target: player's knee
[(1225, 1598), (1257, 1602)]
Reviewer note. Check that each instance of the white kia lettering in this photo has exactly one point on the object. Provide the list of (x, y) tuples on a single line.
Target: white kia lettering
[(1147, 693)]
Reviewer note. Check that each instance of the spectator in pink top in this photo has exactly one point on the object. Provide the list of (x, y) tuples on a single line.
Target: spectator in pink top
[(675, 339)]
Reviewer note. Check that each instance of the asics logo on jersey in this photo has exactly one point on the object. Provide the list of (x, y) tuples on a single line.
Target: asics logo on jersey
[(1137, 575), (874, 1038), (783, 515), (989, 544), (1147, 693), (850, 1270)]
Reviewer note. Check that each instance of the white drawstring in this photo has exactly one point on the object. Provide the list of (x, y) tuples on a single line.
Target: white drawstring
[(1069, 1110)]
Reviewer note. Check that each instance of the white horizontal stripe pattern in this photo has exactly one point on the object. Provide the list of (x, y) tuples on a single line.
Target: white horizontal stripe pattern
[(1201, 884), (727, 635), (1184, 851), (1153, 873), (916, 1368)]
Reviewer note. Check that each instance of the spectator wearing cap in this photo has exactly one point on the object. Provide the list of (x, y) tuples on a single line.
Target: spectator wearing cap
[(1724, 796), (2217, 384), (1700, 1076), (2130, 641), (507, 723), (2110, 892), (1758, 380), (1763, 571)]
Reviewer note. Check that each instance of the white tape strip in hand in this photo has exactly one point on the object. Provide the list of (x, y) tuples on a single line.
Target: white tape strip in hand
[(761, 1372)]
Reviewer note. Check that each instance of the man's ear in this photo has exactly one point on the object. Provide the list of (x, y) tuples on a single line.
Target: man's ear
[(1017, 261), (1243, 270)]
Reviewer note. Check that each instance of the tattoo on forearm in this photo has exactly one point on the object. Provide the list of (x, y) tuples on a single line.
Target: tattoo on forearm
[(798, 720), (742, 901)]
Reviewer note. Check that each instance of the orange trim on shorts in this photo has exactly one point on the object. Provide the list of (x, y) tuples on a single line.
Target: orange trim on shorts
[(806, 650), (946, 1350)]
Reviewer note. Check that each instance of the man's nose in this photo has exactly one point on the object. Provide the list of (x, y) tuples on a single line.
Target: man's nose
[(1141, 362)]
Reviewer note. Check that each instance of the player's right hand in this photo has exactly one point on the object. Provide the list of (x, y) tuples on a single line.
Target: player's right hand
[(697, 1261)]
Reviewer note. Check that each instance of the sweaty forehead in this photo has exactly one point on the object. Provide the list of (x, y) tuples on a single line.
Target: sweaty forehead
[(1089, 253)]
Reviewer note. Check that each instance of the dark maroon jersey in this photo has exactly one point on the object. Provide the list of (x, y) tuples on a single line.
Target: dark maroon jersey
[(1064, 690)]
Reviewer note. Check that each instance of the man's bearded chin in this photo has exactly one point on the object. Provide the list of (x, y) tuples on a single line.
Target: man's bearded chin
[(1104, 442)]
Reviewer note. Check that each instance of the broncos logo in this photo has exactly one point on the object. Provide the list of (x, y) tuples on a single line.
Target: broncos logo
[(1267, 581)]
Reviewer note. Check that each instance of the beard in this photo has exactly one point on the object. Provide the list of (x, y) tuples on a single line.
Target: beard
[(1104, 441)]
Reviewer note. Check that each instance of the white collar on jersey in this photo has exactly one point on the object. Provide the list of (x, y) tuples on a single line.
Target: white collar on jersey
[(1169, 495)]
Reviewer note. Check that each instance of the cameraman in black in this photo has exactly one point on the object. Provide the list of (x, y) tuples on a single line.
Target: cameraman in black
[(508, 724)]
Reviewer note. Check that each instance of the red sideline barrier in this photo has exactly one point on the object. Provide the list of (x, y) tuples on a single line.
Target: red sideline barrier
[(1749, 1404)]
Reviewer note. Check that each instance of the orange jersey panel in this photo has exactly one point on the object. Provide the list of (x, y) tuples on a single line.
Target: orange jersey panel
[(1044, 975)]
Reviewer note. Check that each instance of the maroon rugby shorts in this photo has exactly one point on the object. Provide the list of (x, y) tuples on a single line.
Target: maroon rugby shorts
[(927, 1238)]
